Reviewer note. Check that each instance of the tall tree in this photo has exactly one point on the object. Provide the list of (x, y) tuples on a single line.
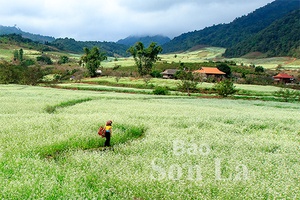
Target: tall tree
[(18, 55), (92, 59), (145, 57), (189, 80), (21, 53), (224, 68)]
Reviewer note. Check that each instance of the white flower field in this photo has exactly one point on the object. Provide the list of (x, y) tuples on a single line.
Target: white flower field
[(190, 148)]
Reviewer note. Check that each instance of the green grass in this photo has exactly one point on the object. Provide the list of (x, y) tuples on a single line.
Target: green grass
[(103, 88), (135, 85), (6, 54), (52, 109), (123, 133), (191, 148)]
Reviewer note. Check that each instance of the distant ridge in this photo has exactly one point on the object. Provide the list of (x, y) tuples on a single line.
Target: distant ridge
[(146, 40), (5, 30)]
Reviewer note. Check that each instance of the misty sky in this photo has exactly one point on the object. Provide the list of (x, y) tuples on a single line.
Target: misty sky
[(111, 20)]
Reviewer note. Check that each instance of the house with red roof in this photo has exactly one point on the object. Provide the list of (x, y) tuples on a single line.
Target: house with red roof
[(283, 78), (210, 72)]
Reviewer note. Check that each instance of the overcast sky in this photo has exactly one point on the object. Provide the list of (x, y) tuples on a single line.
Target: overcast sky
[(111, 20)]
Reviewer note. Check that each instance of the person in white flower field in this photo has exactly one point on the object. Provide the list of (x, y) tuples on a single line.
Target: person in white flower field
[(108, 133)]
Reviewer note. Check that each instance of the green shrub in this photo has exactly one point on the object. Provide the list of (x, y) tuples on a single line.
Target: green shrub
[(259, 69), (156, 74), (63, 60), (50, 109), (159, 90), (44, 59), (288, 94), (225, 88)]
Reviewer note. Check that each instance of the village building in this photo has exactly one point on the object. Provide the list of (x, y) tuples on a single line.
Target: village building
[(169, 73), (283, 78), (211, 72), (98, 72)]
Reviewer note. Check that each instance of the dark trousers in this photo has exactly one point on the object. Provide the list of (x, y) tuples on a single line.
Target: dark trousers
[(107, 141)]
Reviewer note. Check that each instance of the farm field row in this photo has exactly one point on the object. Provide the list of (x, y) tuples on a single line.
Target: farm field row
[(191, 149), (210, 54), (172, 84)]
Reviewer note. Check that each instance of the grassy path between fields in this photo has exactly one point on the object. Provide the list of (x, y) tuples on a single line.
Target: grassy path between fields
[(122, 134)]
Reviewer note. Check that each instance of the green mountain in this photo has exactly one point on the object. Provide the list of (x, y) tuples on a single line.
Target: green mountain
[(111, 48), (5, 30), (146, 40), (281, 38), (18, 40), (70, 45), (241, 29)]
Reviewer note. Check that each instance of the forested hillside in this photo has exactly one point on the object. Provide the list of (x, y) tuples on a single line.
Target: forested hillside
[(5, 30), (228, 35), (279, 39), (146, 40), (20, 41), (14, 34), (71, 45)]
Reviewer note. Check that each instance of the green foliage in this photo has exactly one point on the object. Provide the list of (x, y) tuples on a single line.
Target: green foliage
[(144, 57), (32, 75), (279, 39), (156, 74), (288, 94), (20, 74), (259, 69), (92, 59), (10, 73), (59, 73), (188, 81), (16, 38), (44, 59), (50, 109), (27, 62), (224, 68), (16, 55), (21, 54), (125, 133), (225, 87), (160, 90), (63, 60)]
